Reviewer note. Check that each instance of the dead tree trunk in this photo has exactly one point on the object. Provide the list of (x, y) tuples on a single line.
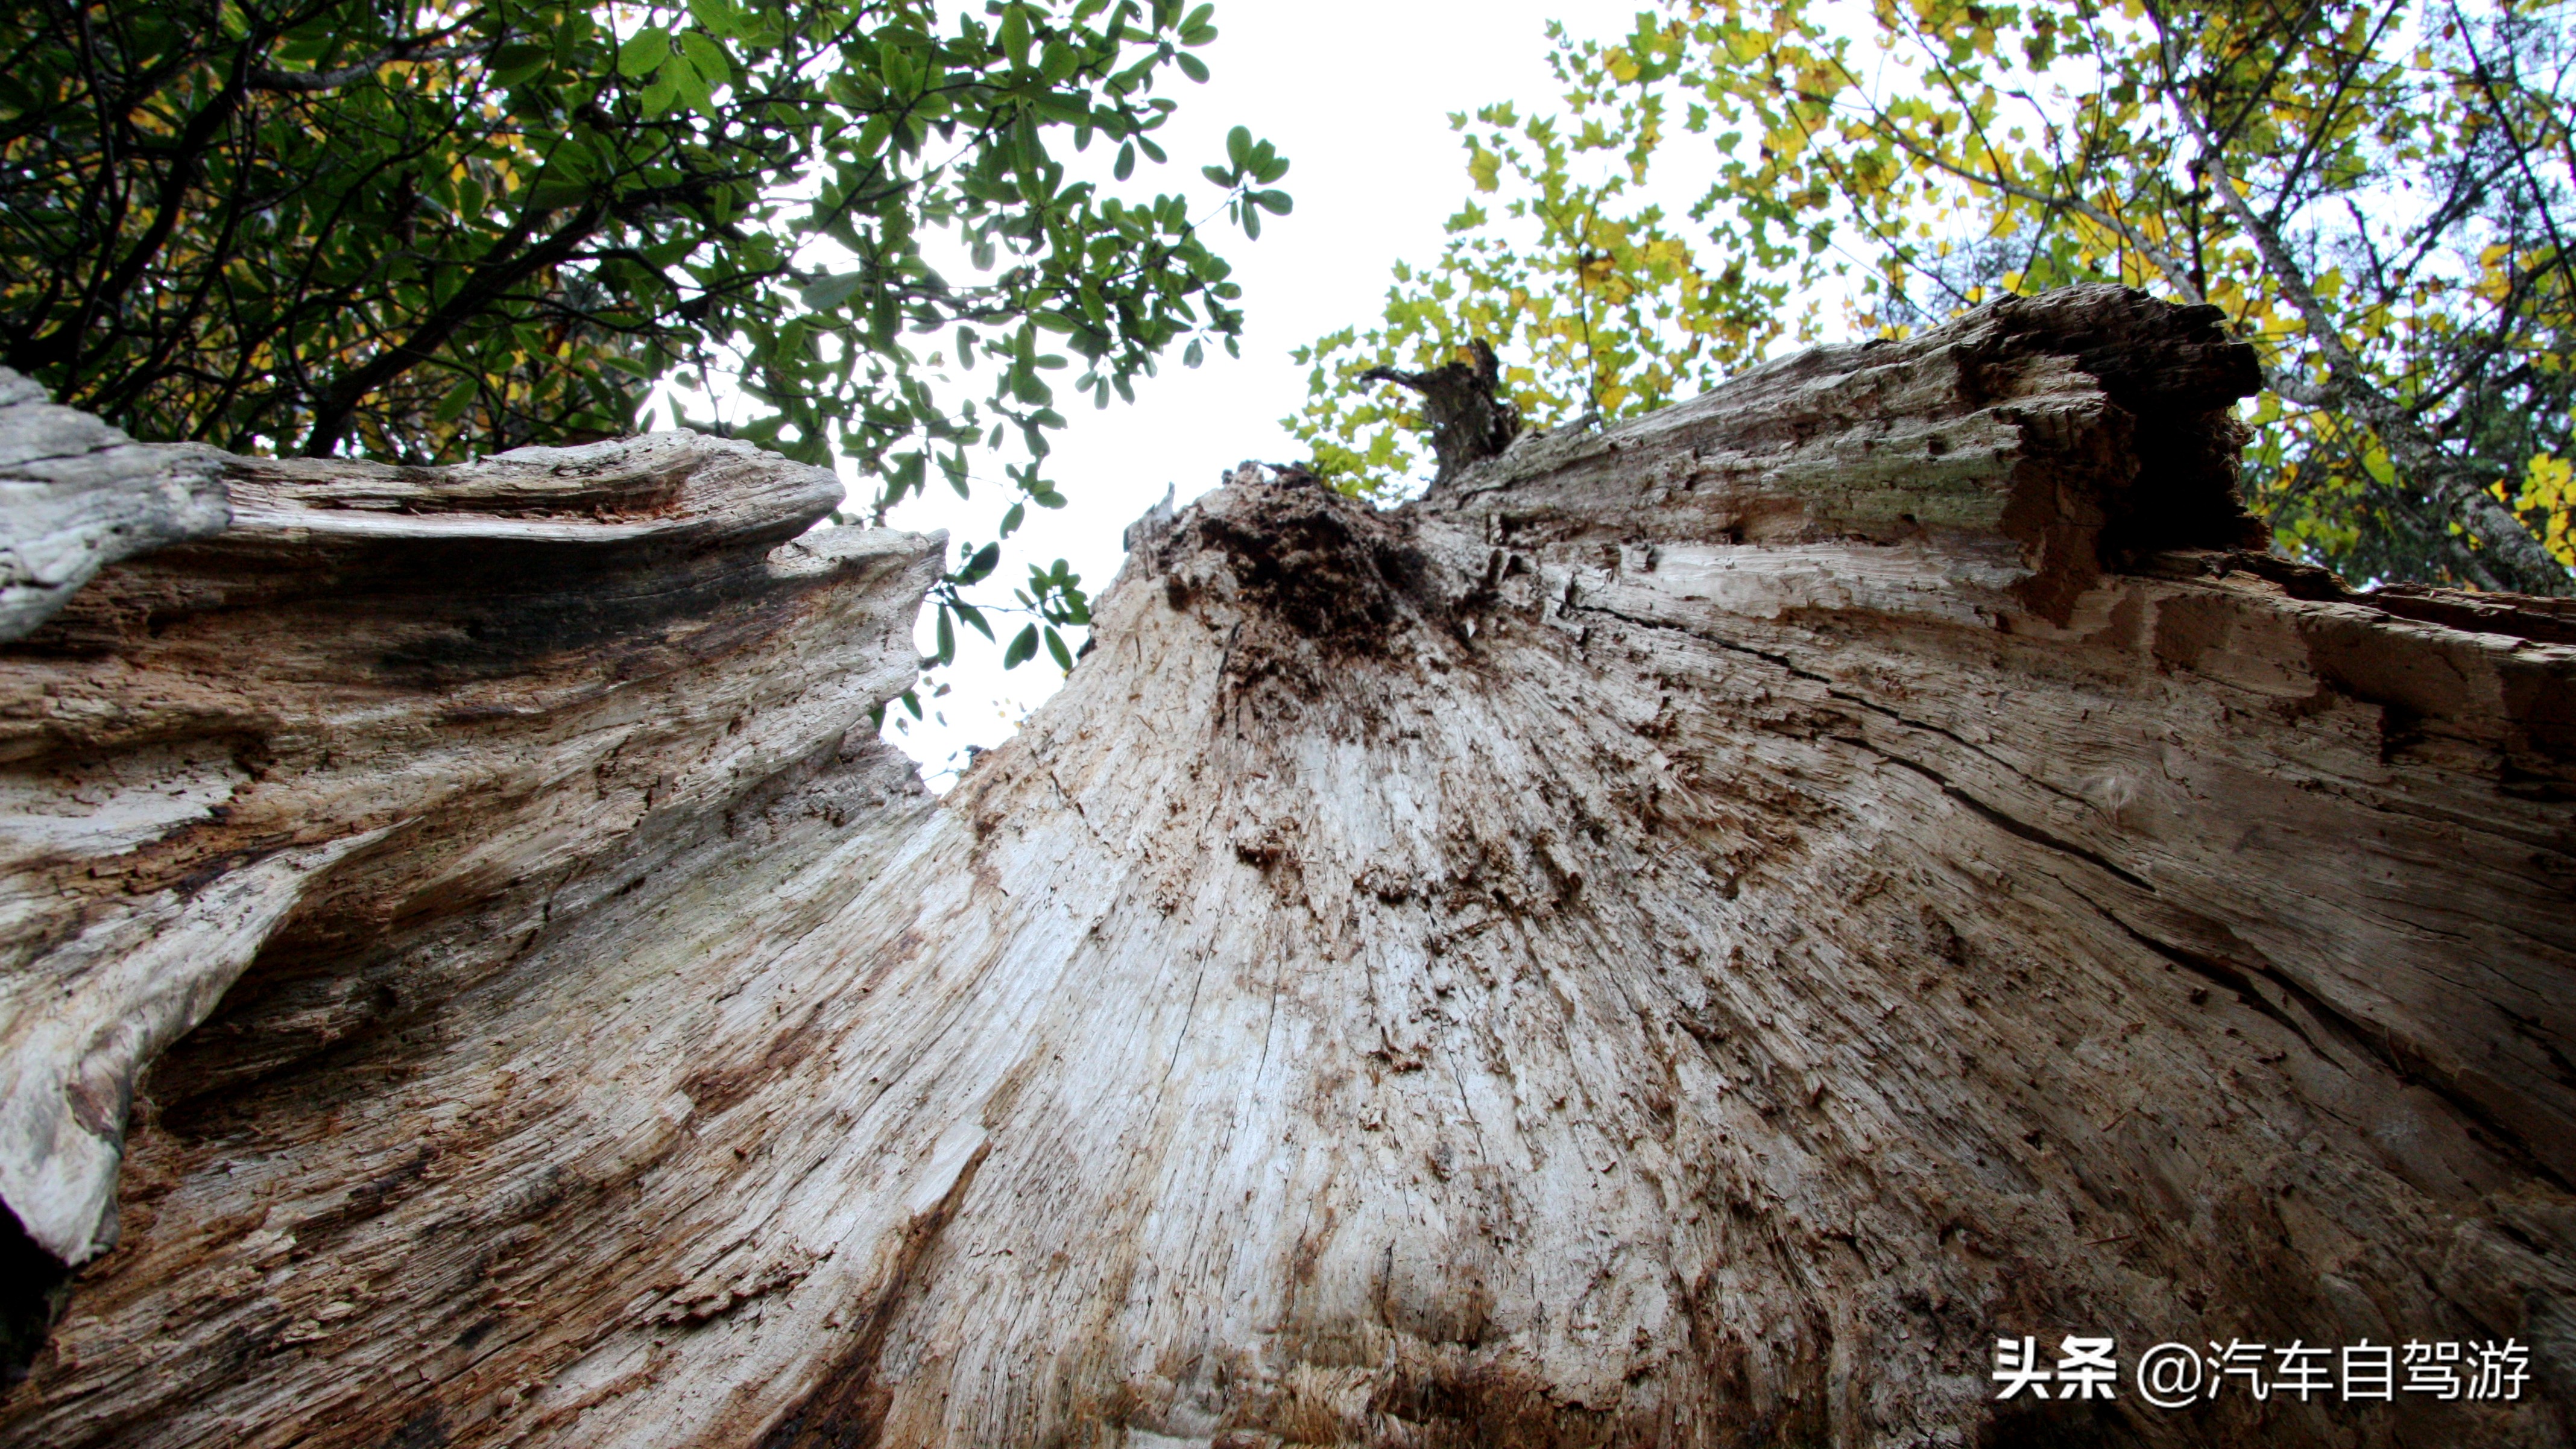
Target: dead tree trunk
[(1683, 937)]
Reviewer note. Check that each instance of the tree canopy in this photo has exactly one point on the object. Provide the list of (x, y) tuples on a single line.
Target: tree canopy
[(2376, 194), (418, 230)]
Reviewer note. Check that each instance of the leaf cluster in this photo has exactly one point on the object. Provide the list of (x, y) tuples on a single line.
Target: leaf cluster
[(422, 230), (2376, 194)]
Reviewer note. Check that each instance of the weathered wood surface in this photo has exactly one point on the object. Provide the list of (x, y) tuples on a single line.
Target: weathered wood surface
[(390, 680), (1681, 937), (77, 495)]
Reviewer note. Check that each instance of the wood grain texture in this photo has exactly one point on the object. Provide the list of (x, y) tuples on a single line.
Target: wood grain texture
[(1649, 945), (77, 495), (381, 684)]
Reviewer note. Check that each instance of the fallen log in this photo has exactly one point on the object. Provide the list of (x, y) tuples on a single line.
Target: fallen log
[(1686, 935)]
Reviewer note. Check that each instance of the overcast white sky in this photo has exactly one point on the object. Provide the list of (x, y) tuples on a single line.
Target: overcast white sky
[(1356, 93)]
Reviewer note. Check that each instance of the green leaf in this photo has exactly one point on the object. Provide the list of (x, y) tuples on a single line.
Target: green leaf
[(1022, 646), (717, 17), (512, 65), (706, 58), (553, 193), (1238, 147), (458, 399), (1191, 66), (1015, 33), (827, 292), (947, 638), (1055, 647), (643, 52), (896, 65), (681, 74)]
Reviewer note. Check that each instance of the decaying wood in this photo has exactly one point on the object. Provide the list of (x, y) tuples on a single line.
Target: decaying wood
[(1462, 408), (76, 495), (428, 690), (1682, 937)]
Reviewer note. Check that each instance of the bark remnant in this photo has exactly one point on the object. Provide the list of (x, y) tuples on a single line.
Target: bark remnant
[(1462, 407)]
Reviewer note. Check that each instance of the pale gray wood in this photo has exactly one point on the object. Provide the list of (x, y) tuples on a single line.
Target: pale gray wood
[(77, 495), (172, 804), (1646, 945)]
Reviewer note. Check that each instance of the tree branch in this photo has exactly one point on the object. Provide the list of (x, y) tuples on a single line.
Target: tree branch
[(416, 48), (332, 418), (2527, 565)]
